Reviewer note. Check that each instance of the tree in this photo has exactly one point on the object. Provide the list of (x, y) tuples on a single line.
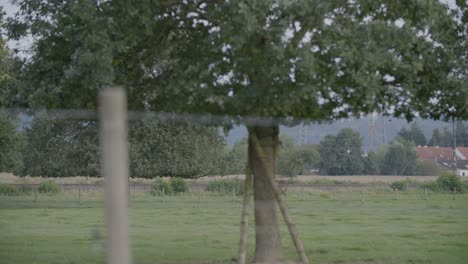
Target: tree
[(342, 154), (415, 134), (400, 159), (63, 148), (10, 71), (171, 149), (445, 139), (436, 139), (10, 144), (236, 158), (461, 132), (60, 148), (299, 160), (314, 59), (371, 164)]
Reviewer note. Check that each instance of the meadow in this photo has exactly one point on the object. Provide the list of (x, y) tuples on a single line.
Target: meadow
[(373, 225)]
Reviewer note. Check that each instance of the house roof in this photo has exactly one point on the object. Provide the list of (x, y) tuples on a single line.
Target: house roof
[(435, 153), (441, 153), (463, 151)]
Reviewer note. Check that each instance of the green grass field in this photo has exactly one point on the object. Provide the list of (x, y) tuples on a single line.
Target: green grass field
[(382, 229)]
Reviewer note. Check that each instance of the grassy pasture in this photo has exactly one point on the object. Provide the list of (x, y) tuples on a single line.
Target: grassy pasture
[(335, 227)]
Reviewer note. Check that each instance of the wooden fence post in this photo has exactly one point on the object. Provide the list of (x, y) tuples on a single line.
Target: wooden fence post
[(113, 141)]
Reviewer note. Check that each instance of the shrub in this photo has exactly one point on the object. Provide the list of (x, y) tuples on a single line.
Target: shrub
[(178, 185), (225, 186), (400, 185), (446, 182), (48, 187), (450, 182), (159, 185), (8, 190)]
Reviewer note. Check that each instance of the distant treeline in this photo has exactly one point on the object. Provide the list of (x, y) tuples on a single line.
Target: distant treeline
[(63, 148)]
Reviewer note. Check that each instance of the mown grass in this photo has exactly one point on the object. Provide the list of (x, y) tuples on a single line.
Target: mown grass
[(382, 229)]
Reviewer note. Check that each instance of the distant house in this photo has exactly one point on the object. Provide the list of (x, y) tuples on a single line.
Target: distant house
[(443, 157), (462, 168)]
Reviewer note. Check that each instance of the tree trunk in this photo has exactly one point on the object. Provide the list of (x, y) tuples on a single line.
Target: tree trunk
[(267, 235)]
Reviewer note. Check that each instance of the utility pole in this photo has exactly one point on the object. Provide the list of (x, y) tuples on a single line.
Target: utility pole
[(454, 134), (384, 134), (370, 132)]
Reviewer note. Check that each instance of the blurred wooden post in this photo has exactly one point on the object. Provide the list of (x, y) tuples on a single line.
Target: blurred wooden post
[(454, 192), (233, 195), (162, 196), (35, 193), (245, 216), (425, 193), (79, 193), (113, 140)]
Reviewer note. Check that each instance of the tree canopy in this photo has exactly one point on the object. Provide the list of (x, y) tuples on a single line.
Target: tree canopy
[(342, 154), (414, 134), (400, 159), (312, 59)]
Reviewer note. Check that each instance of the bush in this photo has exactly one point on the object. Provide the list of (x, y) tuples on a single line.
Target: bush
[(298, 161), (178, 185), (225, 186), (159, 185), (400, 185), (8, 190), (450, 182), (446, 182), (48, 187)]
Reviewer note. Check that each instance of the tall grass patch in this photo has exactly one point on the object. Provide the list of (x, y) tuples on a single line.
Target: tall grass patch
[(14, 190), (225, 186), (8, 190), (49, 187)]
